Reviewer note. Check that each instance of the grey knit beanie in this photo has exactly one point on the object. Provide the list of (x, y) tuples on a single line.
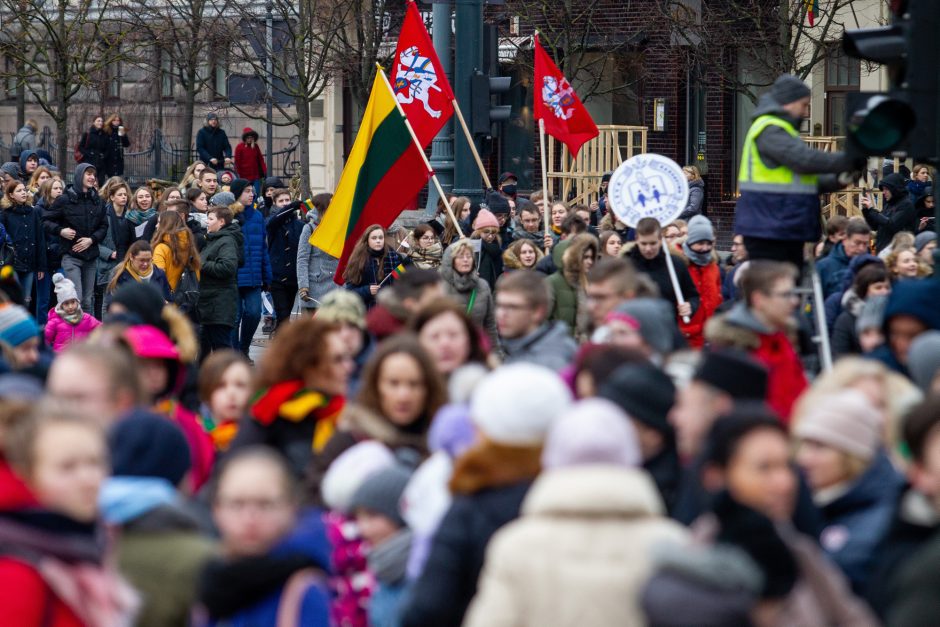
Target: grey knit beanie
[(923, 238), (381, 491), (788, 88), (700, 230), (222, 199), (873, 314), (923, 359)]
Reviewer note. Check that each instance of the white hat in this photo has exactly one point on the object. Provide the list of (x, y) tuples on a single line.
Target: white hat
[(593, 431), (846, 421), (350, 470), (516, 404), (64, 288)]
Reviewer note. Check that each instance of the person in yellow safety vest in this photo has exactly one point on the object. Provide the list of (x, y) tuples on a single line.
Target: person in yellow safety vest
[(779, 180)]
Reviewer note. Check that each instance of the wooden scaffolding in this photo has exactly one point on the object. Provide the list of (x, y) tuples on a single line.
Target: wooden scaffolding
[(579, 179)]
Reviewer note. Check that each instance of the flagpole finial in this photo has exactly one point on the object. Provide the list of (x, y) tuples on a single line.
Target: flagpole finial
[(379, 66)]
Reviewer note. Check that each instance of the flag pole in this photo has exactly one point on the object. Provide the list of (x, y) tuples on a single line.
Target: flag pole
[(546, 212), (424, 157), (473, 146), (673, 278)]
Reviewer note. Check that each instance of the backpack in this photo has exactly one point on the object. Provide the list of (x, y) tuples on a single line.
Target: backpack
[(186, 295), (79, 153)]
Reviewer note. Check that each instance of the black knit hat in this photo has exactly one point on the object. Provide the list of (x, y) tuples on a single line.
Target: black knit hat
[(148, 445), (498, 204), (238, 186), (644, 392), (735, 373)]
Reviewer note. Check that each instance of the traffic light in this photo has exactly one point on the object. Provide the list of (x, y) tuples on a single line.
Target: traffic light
[(902, 121), (483, 113)]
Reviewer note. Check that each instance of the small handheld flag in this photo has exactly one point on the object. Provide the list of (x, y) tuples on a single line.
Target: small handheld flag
[(400, 270)]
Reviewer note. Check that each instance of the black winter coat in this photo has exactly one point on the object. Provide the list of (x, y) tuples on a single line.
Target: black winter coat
[(84, 212), (905, 538), (370, 276), (284, 230), (218, 289), (441, 595), (114, 157), (24, 226), (95, 146), (897, 215), (212, 143), (657, 270)]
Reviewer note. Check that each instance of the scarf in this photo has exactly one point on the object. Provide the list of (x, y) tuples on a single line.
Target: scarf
[(72, 319), (222, 433), (138, 217), (290, 400), (699, 259), (68, 556), (140, 278), (388, 561), (227, 587)]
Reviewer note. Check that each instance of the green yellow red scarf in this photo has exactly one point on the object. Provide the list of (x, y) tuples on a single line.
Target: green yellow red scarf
[(290, 400)]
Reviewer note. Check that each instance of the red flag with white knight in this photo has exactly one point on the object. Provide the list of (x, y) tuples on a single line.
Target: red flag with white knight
[(566, 118), (418, 79)]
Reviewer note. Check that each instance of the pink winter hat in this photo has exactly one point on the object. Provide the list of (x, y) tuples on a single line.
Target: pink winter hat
[(485, 219), (846, 421)]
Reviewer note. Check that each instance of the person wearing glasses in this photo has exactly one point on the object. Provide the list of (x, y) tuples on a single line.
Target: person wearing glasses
[(729, 290), (760, 325)]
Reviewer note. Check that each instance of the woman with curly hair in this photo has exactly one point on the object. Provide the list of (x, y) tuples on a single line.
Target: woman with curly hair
[(522, 255), (302, 387)]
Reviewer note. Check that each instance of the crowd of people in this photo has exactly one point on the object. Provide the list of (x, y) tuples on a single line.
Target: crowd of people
[(487, 421)]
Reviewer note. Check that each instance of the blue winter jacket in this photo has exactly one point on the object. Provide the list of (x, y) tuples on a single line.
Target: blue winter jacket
[(284, 231), (256, 271), (857, 521), (309, 540), (832, 270)]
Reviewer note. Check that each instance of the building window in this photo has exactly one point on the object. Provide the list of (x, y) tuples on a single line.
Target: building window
[(843, 75), (167, 76)]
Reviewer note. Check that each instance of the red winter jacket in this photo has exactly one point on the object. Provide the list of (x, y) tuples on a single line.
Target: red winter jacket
[(707, 280), (740, 329), (249, 162), (26, 599)]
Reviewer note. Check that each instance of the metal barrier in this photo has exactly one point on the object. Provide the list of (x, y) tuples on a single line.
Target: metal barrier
[(161, 159)]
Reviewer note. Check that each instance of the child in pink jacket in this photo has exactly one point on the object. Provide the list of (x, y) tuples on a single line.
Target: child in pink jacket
[(67, 322)]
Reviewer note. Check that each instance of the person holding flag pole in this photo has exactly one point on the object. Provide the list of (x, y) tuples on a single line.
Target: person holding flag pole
[(560, 113)]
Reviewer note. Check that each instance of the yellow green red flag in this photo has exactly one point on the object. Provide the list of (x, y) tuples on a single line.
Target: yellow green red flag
[(384, 173)]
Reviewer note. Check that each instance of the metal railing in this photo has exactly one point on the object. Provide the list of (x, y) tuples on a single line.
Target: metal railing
[(161, 159)]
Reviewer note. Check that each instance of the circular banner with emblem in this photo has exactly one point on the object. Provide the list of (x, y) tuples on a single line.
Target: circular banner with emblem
[(648, 186)]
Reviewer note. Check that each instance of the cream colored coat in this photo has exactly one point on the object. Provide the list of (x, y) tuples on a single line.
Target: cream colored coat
[(578, 555)]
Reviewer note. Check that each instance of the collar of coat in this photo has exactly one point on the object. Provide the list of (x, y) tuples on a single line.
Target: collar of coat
[(491, 465)]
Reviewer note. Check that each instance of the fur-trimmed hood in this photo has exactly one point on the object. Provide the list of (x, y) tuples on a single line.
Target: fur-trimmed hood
[(364, 424), (491, 465), (511, 259), (571, 259)]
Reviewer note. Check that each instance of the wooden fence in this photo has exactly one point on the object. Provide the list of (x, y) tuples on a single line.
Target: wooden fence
[(582, 175)]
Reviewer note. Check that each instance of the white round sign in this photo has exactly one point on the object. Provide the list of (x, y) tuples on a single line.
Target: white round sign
[(648, 186)]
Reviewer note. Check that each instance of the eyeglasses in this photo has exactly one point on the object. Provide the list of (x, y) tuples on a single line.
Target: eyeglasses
[(490, 232), (427, 238), (787, 294)]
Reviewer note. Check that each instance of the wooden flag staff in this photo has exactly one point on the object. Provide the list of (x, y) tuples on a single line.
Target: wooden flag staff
[(473, 146), (427, 164), (545, 204)]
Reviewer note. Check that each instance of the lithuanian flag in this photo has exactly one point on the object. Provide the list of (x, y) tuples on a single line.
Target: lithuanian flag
[(384, 173)]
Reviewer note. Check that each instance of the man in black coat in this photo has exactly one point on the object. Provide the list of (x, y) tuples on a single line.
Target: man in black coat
[(212, 144), (649, 258), (898, 213), (78, 218)]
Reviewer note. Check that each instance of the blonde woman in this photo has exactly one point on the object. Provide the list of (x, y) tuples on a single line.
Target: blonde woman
[(696, 204)]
